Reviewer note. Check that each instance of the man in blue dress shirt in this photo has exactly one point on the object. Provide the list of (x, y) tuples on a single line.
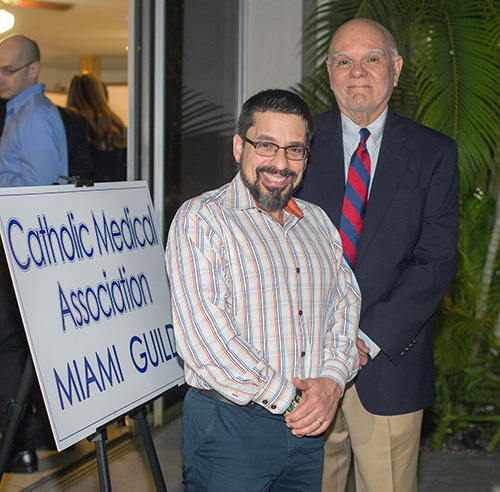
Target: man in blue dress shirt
[(33, 146), (33, 152)]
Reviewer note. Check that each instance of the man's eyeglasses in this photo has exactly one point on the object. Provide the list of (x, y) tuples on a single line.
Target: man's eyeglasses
[(8, 72), (269, 149)]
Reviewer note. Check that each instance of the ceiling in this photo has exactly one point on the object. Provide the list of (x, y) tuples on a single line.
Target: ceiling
[(88, 28)]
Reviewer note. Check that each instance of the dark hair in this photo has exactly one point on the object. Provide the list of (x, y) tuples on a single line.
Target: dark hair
[(276, 101)]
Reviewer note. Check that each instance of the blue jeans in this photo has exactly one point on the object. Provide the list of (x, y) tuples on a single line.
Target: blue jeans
[(228, 448)]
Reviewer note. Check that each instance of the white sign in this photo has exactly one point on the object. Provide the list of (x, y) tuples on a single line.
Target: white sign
[(89, 273)]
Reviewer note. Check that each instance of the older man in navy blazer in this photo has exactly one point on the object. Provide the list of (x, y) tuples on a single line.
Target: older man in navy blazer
[(405, 257)]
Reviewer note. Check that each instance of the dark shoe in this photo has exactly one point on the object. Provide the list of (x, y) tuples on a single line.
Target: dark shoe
[(46, 443), (23, 462)]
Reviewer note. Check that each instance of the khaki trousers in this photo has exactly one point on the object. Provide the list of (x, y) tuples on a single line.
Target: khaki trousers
[(385, 448)]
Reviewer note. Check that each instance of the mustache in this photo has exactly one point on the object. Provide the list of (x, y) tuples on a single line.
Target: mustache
[(273, 170)]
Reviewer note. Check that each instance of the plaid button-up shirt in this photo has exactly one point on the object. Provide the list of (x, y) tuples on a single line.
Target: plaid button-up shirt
[(255, 303)]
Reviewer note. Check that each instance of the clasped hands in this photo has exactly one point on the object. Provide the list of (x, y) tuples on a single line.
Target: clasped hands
[(319, 402), (317, 407)]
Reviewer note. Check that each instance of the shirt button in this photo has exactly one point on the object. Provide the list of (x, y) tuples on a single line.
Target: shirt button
[(298, 270), (303, 354), (265, 402), (300, 312), (273, 407)]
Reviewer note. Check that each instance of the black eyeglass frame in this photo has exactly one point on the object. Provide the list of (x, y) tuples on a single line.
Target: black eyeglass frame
[(8, 72), (276, 147)]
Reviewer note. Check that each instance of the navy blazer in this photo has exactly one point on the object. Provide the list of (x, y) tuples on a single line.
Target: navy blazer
[(407, 253)]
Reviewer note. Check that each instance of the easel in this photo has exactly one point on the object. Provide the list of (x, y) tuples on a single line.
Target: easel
[(16, 408), (15, 411)]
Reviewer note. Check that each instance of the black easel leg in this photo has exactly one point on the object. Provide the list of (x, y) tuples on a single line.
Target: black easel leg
[(15, 412), (149, 446), (99, 439)]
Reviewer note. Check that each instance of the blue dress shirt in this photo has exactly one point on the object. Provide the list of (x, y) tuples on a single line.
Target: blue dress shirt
[(33, 147)]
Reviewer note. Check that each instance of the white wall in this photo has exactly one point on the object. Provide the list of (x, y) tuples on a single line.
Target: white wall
[(57, 71), (270, 49)]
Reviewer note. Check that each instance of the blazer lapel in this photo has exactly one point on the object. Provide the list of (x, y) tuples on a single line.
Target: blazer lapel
[(391, 165), (329, 166)]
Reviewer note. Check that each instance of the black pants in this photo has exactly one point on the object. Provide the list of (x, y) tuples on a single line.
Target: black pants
[(13, 354)]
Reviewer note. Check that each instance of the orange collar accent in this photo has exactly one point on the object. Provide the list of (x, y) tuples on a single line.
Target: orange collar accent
[(291, 207)]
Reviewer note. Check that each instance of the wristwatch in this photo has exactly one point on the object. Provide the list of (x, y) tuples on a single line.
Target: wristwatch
[(295, 401)]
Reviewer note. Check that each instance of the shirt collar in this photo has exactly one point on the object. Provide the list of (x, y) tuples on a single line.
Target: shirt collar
[(293, 208), (350, 130), (238, 196), (18, 102)]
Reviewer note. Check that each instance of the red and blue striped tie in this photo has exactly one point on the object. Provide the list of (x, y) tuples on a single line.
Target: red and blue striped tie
[(355, 199)]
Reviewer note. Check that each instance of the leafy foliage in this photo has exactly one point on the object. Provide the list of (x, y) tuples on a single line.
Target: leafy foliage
[(458, 332), (458, 66), (469, 396), (466, 353)]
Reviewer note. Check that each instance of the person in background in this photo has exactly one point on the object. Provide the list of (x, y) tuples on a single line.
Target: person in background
[(265, 313), (395, 204), (33, 144), (3, 111), (80, 163), (32, 152), (106, 133)]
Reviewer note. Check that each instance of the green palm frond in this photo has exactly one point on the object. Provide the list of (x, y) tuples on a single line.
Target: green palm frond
[(455, 341), (458, 70), (458, 333)]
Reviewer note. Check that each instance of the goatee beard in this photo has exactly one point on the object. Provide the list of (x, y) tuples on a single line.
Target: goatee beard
[(273, 198)]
